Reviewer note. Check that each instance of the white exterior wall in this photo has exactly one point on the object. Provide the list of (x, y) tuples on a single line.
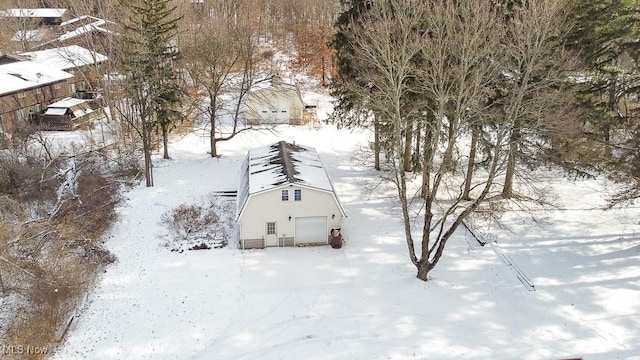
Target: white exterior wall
[(266, 106), (268, 206)]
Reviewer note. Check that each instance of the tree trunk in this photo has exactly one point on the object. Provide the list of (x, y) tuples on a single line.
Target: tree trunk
[(408, 137), (323, 82), (146, 149), (423, 270), (447, 157), (507, 189), (165, 142), (212, 115), (214, 143), (426, 154), (472, 156), (2, 283), (376, 142), (514, 140), (148, 168), (416, 154)]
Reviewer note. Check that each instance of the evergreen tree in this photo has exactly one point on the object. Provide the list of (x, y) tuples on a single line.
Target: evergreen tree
[(147, 57), (606, 37)]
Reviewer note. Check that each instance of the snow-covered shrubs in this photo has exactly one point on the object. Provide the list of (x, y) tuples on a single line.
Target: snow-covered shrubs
[(199, 226)]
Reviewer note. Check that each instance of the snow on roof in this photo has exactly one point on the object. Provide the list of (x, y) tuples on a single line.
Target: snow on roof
[(274, 82), (23, 75), (94, 26), (66, 103), (60, 107), (67, 57), (280, 163), (271, 166), (55, 111), (35, 13)]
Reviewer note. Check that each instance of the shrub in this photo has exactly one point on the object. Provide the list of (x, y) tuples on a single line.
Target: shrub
[(199, 226)]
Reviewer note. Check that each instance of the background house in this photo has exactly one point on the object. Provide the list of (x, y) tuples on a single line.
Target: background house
[(82, 63), (86, 31), (47, 28), (285, 198), (274, 102), (26, 88)]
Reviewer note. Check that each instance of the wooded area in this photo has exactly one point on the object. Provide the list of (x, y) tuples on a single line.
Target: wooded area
[(490, 90)]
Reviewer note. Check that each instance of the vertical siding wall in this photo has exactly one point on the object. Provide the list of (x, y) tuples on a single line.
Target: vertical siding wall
[(27, 100)]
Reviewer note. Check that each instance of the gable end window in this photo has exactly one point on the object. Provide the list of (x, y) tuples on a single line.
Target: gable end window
[(297, 195), (285, 195)]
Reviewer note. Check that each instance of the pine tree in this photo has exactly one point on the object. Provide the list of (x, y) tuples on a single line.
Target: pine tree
[(606, 37), (349, 110), (147, 60)]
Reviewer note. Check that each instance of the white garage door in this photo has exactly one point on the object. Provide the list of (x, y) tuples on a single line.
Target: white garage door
[(312, 229)]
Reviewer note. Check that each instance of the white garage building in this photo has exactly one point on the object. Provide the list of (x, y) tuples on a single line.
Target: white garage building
[(285, 198), (276, 101)]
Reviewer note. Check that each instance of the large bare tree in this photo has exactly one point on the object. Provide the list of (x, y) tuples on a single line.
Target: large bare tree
[(220, 58), (430, 69), (537, 64)]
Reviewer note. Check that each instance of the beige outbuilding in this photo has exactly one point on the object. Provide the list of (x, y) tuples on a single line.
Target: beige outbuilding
[(285, 198), (272, 102)]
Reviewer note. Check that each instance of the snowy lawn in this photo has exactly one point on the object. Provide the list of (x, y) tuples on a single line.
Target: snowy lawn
[(362, 301)]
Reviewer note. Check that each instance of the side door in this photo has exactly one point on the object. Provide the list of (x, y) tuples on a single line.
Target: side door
[(271, 234)]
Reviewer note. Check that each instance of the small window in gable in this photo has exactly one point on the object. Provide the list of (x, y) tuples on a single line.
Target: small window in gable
[(297, 195), (285, 195)]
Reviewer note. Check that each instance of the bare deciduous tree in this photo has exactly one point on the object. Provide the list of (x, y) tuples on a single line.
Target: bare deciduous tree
[(433, 65), (537, 63), (220, 58)]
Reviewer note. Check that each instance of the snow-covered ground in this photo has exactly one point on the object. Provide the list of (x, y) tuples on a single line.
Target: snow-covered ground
[(362, 301)]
